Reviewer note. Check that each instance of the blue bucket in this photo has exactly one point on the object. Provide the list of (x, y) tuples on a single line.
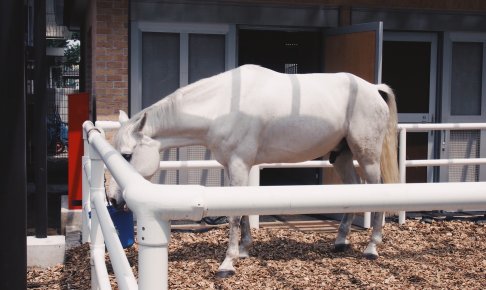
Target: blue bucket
[(123, 221)]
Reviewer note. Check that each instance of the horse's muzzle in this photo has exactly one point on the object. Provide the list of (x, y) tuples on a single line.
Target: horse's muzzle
[(118, 206)]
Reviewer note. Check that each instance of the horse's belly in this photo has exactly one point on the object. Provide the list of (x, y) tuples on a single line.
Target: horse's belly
[(298, 139)]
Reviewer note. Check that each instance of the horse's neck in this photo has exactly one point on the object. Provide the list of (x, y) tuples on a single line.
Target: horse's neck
[(166, 123)]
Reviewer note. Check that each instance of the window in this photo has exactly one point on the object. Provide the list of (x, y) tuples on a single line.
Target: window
[(165, 57)]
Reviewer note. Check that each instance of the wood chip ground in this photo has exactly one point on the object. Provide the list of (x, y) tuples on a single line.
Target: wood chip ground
[(417, 255)]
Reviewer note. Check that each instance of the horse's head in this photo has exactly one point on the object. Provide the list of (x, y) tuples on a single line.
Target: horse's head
[(141, 151)]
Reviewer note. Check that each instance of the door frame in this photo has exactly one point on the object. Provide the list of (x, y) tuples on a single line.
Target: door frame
[(449, 39), (422, 117)]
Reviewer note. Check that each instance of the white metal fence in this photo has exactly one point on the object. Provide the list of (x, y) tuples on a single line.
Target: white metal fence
[(155, 205), (403, 162), (419, 127)]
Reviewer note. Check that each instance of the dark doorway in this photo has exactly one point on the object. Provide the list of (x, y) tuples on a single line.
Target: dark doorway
[(406, 68), (286, 52)]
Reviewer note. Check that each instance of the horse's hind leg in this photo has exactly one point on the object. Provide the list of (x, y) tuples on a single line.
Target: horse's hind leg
[(246, 239), (373, 175), (376, 236), (345, 169)]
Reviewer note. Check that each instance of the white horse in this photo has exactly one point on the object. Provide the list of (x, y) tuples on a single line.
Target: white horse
[(252, 115)]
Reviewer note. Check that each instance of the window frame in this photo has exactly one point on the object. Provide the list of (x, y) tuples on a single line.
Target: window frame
[(183, 29)]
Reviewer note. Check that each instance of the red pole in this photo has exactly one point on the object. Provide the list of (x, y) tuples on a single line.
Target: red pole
[(78, 112)]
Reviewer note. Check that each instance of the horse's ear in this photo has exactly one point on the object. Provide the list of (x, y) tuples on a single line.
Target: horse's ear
[(122, 117), (141, 122)]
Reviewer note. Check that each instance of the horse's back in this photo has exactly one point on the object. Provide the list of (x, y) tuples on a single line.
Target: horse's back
[(285, 117)]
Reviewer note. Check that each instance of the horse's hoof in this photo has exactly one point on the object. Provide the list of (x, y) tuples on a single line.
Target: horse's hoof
[(243, 255), (224, 274), (341, 247), (370, 256)]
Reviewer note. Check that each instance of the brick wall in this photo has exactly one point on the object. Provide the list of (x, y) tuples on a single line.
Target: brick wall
[(110, 57)]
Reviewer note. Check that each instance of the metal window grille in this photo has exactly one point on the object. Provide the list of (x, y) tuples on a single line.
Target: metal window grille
[(464, 144), (167, 176), (63, 81), (291, 68), (206, 177)]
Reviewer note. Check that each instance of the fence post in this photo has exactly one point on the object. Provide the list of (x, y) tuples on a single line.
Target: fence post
[(153, 252), (254, 180), (86, 207), (402, 156)]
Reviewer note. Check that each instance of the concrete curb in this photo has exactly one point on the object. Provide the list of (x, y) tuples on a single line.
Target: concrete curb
[(46, 252)]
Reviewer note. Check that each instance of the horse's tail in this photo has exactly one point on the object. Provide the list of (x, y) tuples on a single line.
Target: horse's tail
[(388, 164)]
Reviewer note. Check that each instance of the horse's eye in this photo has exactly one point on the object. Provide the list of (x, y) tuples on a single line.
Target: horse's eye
[(127, 157)]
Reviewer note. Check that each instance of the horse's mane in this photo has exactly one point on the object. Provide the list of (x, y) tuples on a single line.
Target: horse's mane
[(153, 114), (157, 114)]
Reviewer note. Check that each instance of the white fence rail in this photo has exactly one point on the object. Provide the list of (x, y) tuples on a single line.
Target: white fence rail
[(155, 205)]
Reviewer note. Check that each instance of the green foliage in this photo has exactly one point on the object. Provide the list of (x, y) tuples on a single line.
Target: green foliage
[(72, 53)]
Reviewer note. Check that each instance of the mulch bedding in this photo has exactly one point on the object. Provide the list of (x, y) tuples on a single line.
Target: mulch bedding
[(417, 255)]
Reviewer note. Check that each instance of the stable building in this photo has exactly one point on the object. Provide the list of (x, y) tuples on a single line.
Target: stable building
[(432, 53)]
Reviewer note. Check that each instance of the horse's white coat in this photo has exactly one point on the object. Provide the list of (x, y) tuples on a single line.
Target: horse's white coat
[(252, 115)]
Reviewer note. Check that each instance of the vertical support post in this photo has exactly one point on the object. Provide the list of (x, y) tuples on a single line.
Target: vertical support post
[(254, 180), (86, 191), (367, 220), (13, 193), (86, 202), (99, 275), (153, 252), (402, 156), (40, 118)]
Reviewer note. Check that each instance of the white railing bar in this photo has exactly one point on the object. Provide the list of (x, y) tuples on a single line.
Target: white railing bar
[(107, 125), (99, 272), (276, 200), (423, 127), (98, 257), (190, 164), (121, 266), (440, 162), (210, 164), (305, 164), (86, 202)]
